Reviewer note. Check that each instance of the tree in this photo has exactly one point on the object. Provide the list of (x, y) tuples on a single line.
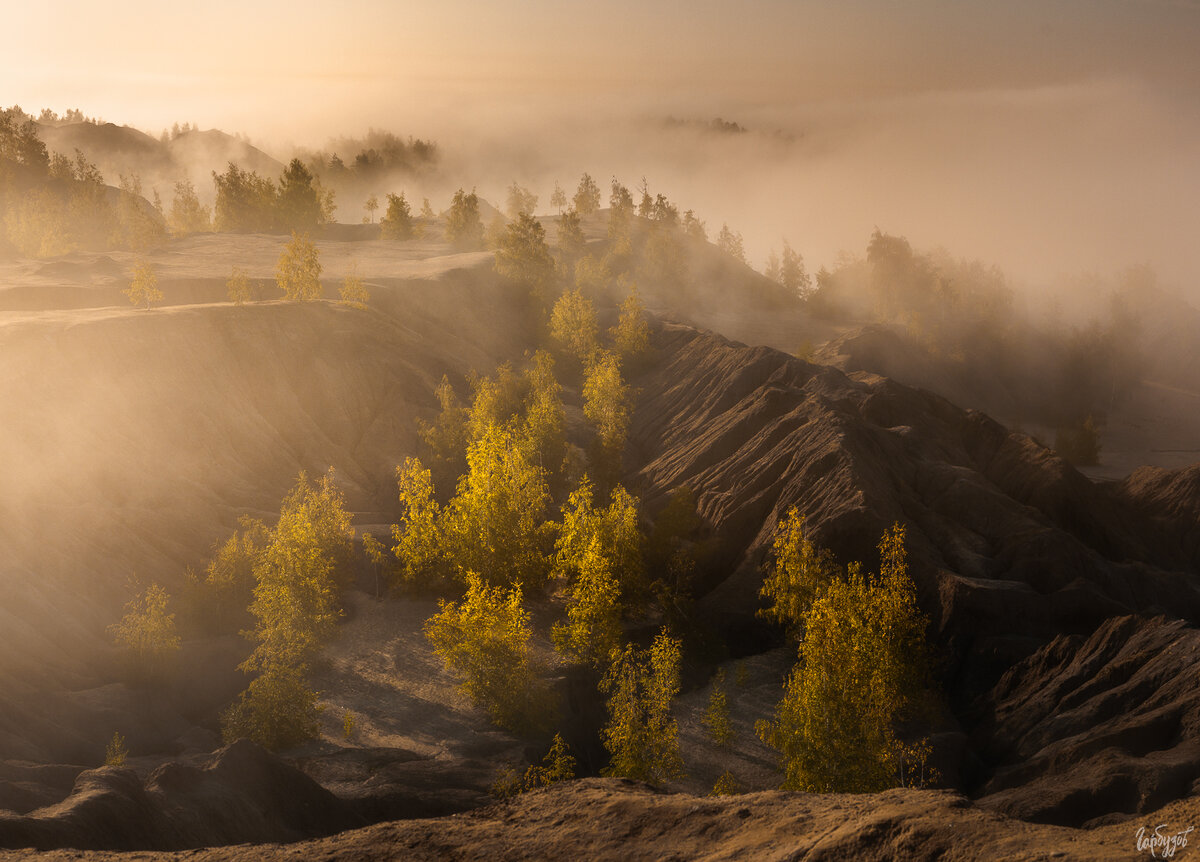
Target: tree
[(372, 204), (524, 258), (397, 219), (427, 212), (558, 198), (484, 639), (116, 751), (641, 735), (278, 710), (446, 438), (716, 717), (188, 215), (800, 572), (558, 765), (139, 224), (238, 287), (862, 667), (299, 271), (571, 241), (144, 287), (544, 431), (598, 553), (607, 403), (419, 550), (773, 271), (353, 292), (494, 526), (731, 243), (573, 326), (620, 219), (147, 633), (222, 595), (587, 196), (245, 201), (299, 201), (694, 227), (646, 205), (464, 229), (631, 335), (792, 274), (521, 202)]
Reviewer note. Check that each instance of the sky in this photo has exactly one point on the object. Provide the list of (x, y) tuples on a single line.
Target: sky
[(1048, 135)]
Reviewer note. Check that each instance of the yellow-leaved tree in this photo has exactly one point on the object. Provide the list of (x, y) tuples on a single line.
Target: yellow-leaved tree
[(296, 608), (143, 289), (299, 271), (147, 634), (862, 668), (484, 638), (642, 736), (799, 573)]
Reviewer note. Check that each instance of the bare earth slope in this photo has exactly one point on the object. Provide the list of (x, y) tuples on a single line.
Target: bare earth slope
[(622, 820)]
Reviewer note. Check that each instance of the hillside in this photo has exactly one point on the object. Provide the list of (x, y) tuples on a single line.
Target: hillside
[(135, 439)]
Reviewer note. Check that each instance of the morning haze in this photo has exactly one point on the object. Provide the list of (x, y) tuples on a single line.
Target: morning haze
[(607, 419)]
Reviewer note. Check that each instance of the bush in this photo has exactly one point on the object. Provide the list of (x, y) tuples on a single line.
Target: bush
[(277, 711)]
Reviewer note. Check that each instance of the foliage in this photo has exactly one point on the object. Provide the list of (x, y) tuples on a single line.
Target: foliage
[(464, 230), (573, 326), (731, 243), (608, 405), (117, 751), (299, 271), (799, 573), (523, 257), (188, 215), (620, 219), (299, 203), (139, 226), (278, 710), (143, 289), (397, 220), (295, 607), (353, 292), (598, 553), (497, 400), (484, 638), (349, 725), (727, 785), (238, 286), (495, 524), (792, 274), (862, 667), (571, 241), (558, 198), (716, 716), (544, 431), (694, 227), (446, 438), (558, 765), (221, 597), (245, 201), (641, 735), (147, 634), (419, 547), (521, 202), (370, 205), (1079, 444), (631, 335), (587, 196)]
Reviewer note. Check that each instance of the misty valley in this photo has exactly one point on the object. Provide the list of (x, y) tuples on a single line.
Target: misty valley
[(349, 513)]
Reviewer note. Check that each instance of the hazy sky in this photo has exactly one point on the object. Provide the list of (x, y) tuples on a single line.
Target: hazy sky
[(1041, 133)]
